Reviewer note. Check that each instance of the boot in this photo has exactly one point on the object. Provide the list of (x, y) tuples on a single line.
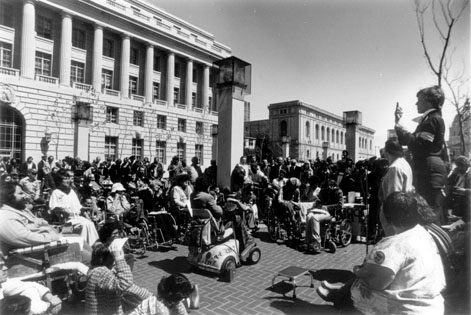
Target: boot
[(195, 298)]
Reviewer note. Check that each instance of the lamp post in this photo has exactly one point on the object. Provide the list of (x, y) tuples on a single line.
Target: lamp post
[(233, 82)]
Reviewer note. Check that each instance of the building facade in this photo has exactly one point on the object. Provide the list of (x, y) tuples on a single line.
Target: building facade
[(454, 141), (107, 78), (303, 131)]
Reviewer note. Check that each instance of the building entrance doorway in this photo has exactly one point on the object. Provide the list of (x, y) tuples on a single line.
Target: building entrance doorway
[(11, 133)]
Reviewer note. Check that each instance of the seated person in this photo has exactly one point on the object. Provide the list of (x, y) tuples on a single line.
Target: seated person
[(117, 203), (15, 305), (403, 274), (20, 228), (32, 187), (108, 232), (247, 197), (107, 284), (330, 201), (200, 198), (39, 297), (171, 292), (65, 200), (288, 209)]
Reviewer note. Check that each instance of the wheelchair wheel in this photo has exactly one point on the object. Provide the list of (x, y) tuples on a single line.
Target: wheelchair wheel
[(345, 232), (254, 256), (228, 268), (331, 246)]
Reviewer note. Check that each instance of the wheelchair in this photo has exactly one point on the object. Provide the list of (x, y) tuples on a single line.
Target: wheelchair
[(337, 231), (283, 220), (30, 264)]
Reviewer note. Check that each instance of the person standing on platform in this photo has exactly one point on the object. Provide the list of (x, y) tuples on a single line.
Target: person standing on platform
[(427, 145)]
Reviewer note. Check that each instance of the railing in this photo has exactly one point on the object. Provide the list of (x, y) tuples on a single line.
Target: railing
[(82, 86), (181, 33), (214, 113), (216, 48), (140, 15), (198, 109), (138, 97), (112, 92), (160, 102), (199, 41), (47, 79), (116, 5), (9, 71), (182, 106), (158, 23)]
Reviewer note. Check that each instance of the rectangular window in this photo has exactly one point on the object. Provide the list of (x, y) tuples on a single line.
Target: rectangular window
[(132, 85), (161, 122), (181, 125), (155, 91), (177, 70), (176, 92), (195, 74), (77, 70), (6, 14), (43, 64), (5, 55), (111, 148), (210, 103), (138, 118), (108, 48), (181, 151), (137, 148), (199, 128), (161, 151), (199, 151), (157, 66), (107, 79), (43, 27), (78, 38), (193, 99), (112, 114), (134, 56)]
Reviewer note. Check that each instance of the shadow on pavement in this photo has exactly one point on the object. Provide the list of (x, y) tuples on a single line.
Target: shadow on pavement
[(289, 306), (175, 265)]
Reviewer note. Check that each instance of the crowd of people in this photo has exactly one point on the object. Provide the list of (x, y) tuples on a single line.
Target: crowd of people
[(93, 197)]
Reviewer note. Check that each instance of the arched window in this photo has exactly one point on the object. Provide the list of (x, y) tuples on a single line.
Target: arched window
[(322, 133), (333, 135), (337, 136), (359, 142), (308, 129), (371, 144), (341, 137), (11, 133), (283, 128), (307, 154), (317, 132), (328, 134)]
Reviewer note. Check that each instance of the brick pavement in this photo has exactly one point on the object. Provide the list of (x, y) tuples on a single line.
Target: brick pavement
[(250, 292)]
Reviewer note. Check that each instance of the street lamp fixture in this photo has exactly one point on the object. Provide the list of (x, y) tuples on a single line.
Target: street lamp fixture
[(233, 71)]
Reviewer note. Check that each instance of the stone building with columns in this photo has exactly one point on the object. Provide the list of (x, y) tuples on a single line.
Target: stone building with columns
[(106, 78), (303, 131)]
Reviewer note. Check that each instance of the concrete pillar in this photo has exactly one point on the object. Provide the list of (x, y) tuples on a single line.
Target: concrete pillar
[(28, 40), (230, 132), (149, 73), (66, 49), (125, 55), (97, 57), (205, 89), (170, 78), (189, 82)]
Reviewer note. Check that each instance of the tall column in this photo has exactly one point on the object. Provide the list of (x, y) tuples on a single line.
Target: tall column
[(66, 49), (189, 82), (205, 89), (28, 40), (125, 55), (149, 73), (97, 57), (170, 77)]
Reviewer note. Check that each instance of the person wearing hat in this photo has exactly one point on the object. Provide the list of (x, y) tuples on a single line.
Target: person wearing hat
[(117, 202), (459, 190), (399, 175), (171, 292)]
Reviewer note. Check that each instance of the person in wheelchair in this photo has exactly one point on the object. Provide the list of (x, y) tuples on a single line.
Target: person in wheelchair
[(247, 196), (64, 201), (117, 204), (41, 299), (179, 197), (287, 209), (201, 198), (330, 201), (19, 228)]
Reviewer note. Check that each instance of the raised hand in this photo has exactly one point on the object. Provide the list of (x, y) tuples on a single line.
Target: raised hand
[(398, 113)]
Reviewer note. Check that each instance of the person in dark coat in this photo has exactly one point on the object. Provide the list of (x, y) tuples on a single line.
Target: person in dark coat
[(427, 145)]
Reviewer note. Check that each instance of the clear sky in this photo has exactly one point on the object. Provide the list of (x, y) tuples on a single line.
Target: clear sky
[(338, 55)]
